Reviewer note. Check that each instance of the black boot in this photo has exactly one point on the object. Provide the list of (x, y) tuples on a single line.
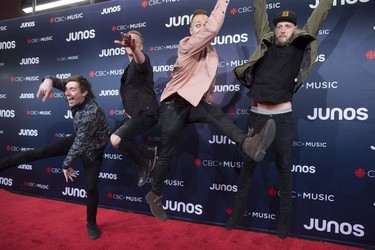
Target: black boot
[(142, 165), (93, 230), (4, 164), (234, 218), (283, 227), (143, 173)]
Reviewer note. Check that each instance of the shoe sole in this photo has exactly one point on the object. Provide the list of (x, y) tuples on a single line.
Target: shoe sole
[(94, 237), (235, 222), (142, 184), (269, 135)]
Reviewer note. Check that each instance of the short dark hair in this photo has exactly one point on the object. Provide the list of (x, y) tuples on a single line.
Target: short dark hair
[(84, 84), (199, 12), (137, 33)]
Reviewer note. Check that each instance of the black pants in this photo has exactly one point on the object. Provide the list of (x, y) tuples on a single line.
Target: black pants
[(128, 130), (61, 148), (173, 116), (283, 144)]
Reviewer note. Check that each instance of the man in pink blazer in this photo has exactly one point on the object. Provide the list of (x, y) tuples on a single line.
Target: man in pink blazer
[(187, 98)]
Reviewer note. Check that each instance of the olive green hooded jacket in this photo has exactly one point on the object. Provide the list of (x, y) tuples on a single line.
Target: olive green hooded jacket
[(265, 37)]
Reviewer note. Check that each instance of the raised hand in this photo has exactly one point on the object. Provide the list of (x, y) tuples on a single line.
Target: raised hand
[(45, 89), (126, 41)]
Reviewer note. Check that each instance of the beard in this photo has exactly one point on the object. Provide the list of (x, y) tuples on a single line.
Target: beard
[(286, 42)]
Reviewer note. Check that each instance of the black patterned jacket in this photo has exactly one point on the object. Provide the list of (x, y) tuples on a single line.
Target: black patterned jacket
[(90, 126)]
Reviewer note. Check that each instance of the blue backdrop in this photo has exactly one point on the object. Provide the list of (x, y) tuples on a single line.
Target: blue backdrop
[(334, 147)]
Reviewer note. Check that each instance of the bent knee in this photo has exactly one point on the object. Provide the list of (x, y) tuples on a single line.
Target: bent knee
[(115, 140)]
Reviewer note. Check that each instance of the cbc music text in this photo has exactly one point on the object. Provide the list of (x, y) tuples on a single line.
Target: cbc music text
[(67, 58), (227, 164), (124, 197), (18, 149), (25, 78), (170, 182), (123, 27), (61, 19), (104, 73), (261, 215), (60, 171), (321, 85), (40, 39), (36, 185), (313, 196), (39, 112), (157, 2)]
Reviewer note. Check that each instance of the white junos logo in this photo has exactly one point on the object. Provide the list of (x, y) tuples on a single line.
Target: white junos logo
[(81, 35), (183, 207), (112, 9), (224, 187), (229, 39), (344, 228), (75, 192), (348, 114)]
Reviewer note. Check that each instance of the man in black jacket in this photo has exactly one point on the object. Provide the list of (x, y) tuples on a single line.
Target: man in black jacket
[(88, 143), (140, 106)]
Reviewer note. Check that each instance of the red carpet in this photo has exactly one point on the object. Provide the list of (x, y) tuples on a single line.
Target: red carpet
[(37, 223)]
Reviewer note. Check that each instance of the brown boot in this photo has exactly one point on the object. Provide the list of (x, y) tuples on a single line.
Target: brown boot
[(255, 147), (156, 206)]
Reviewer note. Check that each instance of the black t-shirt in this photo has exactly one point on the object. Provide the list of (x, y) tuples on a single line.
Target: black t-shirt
[(137, 89), (275, 73)]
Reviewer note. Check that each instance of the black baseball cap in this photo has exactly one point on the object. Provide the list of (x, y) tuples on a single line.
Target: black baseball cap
[(285, 16)]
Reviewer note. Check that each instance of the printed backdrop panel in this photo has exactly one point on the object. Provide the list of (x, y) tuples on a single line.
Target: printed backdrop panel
[(334, 147)]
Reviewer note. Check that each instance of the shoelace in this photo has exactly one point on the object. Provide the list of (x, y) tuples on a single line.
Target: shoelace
[(158, 202)]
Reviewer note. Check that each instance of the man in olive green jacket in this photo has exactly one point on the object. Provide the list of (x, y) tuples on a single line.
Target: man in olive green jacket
[(273, 74)]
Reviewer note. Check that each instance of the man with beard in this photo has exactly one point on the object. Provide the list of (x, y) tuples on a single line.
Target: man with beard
[(273, 74)]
